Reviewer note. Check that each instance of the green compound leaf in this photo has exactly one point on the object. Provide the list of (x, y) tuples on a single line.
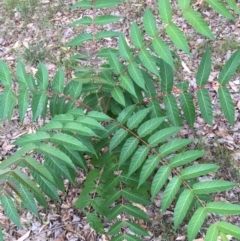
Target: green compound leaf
[(187, 105), (172, 146), (127, 84), (196, 20), (5, 75), (23, 102), (85, 4), (149, 126), (38, 168), (115, 228), (7, 103), (183, 4), (95, 222), (212, 186), (136, 75), (127, 150), (148, 168), (137, 118), (149, 23), (204, 69), (162, 135), (136, 228), (148, 61), (85, 21), (229, 229), (227, 104), (186, 157), (42, 77), (135, 212), (212, 233), (219, 7), (68, 141), (166, 74), (165, 10), (46, 186), (138, 158), (182, 206), (223, 208), (10, 209), (205, 105), (163, 51), (233, 5), (198, 170), (80, 39), (178, 38), (55, 153), (22, 76), (106, 3), (196, 222), (159, 180), (31, 138), (170, 192), (106, 19), (118, 137), (115, 63), (124, 49), (126, 113), (172, 109), (229, 68), (39, 102), (136, 36), (135, 197), (114, 212), (117, 95)]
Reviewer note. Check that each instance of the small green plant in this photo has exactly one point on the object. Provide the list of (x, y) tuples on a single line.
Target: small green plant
[(34, 54), (109, 122)]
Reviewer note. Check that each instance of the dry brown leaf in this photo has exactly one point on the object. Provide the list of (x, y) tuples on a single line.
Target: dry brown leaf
[(61, 237), (25, 236)]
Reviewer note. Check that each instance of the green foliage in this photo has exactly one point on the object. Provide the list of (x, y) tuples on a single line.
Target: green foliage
[(108, 121)]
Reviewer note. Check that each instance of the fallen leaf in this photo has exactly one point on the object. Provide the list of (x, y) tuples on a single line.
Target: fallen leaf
[(25, 236)]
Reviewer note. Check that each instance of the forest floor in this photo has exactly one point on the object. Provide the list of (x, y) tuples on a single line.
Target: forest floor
[(37, 30)]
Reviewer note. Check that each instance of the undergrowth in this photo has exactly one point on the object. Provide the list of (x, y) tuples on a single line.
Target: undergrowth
[(108, 121)]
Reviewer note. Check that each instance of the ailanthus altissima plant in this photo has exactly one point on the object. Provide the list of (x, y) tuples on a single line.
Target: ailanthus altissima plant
[(108, 121)]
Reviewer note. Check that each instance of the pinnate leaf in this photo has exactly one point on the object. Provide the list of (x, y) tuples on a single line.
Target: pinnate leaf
[(196, 20), (223, 208), (187, 105), (10, 209), (149, 23), (162, 135), (118, 137), (128, 148), (170, 192), (204, 69), (182, 206), (165, 10), (159, 180), (196, 222), (137, 118), (5, 75), (227, 104), (149, 126), (205, 105), (229, 68), (148, 168), (212, 186), (136, 36), (172, 146), (229, 229), (176, 35)]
